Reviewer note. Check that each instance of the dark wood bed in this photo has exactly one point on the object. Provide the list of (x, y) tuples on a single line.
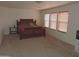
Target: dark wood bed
[(27, 28)]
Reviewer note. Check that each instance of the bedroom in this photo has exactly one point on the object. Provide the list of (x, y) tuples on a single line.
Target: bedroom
[(12, 11)]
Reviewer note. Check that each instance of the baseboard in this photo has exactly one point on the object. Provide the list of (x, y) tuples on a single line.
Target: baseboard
[(59, 43)]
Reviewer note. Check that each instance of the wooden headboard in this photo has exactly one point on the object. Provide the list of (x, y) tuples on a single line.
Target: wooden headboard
[(25, 21)]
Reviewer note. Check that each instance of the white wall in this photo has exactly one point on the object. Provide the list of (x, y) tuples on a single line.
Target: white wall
[(73, 25), (8, 16)]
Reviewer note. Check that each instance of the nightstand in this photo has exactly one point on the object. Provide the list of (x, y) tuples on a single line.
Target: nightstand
[(12, 30)]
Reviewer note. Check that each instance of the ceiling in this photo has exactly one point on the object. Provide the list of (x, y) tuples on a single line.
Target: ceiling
[(32, 4)]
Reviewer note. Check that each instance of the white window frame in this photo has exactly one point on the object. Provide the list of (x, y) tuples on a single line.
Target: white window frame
[(45, 21), (62, 21), (57, 21), (51, 21)]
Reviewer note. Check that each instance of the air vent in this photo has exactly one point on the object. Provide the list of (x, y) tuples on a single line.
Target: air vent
[(38, 1)]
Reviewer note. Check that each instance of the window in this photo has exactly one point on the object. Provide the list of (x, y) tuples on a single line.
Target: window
[(62, 21), (53, 20), (46, 19), (57, 21)]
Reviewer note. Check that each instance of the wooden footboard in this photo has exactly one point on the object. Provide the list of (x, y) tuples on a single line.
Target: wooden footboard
[(32, 32)]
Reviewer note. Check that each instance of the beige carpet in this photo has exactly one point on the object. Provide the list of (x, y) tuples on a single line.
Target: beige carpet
[(32, 47)]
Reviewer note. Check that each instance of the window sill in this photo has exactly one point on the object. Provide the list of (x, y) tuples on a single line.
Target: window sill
[(61, 31), (50, 29), (53, 29), (56, 30)]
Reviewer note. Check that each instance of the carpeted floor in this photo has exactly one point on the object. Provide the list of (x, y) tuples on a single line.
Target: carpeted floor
[(32, 47)]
